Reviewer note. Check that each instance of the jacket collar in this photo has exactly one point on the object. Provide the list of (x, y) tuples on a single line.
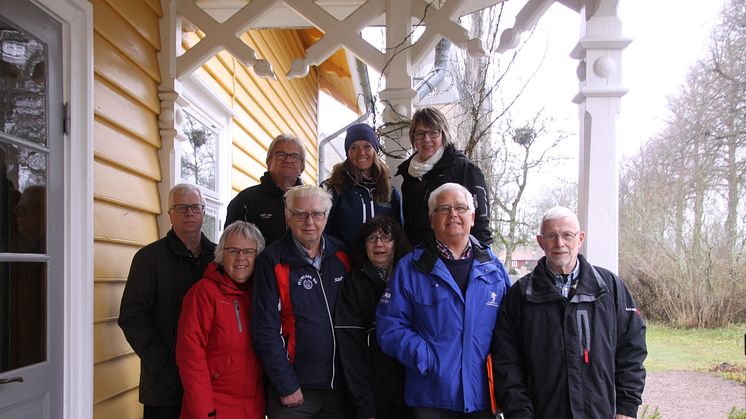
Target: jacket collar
[(269, 183), (429, 256), (179, 248), (215, 273), (290, 254), (449, 154), (540, 286)]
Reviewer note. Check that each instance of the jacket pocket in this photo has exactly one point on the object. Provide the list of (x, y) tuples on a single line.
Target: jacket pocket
[(218, 365)]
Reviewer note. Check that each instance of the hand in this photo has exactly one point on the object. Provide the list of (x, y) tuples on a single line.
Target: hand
[(620, 416), (292, 400)]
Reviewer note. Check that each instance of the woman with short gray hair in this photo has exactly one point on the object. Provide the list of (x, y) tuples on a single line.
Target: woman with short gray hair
[(221, 374)]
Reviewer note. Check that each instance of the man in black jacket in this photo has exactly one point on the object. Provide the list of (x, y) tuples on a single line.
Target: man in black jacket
[(570, 341), (263, 204), (159, 277)]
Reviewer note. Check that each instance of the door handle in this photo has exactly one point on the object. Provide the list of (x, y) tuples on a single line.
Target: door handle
[(11, 380)]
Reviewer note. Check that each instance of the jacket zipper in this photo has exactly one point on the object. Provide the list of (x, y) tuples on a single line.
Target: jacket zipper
[(331, 323), (238, 316), (584, 331)]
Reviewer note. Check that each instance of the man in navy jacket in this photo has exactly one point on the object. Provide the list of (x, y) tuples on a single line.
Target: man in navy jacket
[(439, 311), (297, 279)]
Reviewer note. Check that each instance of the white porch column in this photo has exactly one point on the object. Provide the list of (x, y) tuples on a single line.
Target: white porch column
[(398, 94), (599, 72)]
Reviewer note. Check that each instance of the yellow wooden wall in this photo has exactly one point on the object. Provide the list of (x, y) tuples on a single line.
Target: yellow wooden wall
[(265, 108), (127, 169)]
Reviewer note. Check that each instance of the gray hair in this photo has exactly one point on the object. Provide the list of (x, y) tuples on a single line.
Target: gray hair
[(241, 229), (557, 213), (307, 191), (287, 138), (432, 200), (184, 188)]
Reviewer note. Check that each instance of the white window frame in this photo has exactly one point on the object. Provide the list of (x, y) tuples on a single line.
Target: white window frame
[(197, 99)]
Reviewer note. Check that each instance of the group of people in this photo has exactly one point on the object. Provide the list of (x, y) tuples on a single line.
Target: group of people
[(350, 300)]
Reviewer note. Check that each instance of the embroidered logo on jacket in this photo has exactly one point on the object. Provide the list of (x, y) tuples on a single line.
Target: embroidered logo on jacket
[(493, 299), (265, 215), (307, 281), (386, 297)]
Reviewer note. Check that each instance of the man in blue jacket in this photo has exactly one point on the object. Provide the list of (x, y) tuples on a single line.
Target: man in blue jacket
[(297, 279), (439, 311)]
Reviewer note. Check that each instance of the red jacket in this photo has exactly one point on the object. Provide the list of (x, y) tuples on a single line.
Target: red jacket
[(217, 364)]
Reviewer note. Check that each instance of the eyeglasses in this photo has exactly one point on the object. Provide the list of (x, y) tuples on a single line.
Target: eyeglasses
[(433, 133), (384, 238), (291, 157), (566, 236), (184, 208), (303, 215), (234, 251), (446, 209)]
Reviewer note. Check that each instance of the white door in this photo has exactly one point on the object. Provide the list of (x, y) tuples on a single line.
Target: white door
[(31, 212)]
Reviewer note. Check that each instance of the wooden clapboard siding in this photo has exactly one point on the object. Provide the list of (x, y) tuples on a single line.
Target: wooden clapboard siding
[(111, 25), (119, 147), (127, 371), (121, 405), (124, 74), (264, 108), (125, 175)]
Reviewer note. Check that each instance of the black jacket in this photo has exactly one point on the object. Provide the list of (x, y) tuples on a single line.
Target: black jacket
[(160, 275), (581, 358), (371, 375), (263, 205), (452, 167)]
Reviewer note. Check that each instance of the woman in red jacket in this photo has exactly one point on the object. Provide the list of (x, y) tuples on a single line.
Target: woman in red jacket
[(221, 374)]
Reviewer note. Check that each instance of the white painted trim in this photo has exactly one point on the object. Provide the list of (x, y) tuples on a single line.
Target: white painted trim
[(76, 17)]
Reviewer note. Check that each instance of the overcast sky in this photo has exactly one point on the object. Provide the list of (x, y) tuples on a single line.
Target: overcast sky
[(668, 37)]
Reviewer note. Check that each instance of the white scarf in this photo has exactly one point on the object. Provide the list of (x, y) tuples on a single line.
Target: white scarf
[(418, 168)]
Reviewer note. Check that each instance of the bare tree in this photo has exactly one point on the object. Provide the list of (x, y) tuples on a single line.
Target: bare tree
[(679, 197), (518, 154)]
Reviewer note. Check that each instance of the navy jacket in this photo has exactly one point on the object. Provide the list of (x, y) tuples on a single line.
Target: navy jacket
[(354, 207), (581, 358), (452, 167), (313, 294), (442, 337), (263, 205)]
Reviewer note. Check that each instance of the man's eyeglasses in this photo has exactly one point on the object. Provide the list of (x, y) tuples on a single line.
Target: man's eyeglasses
[(303, 215), (433, 133), (566, 236), (446, 209), (384, 238), (291, 157), (184, 208), (234, 251)]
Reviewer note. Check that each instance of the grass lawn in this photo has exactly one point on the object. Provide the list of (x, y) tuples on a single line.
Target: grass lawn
[(671, 349)]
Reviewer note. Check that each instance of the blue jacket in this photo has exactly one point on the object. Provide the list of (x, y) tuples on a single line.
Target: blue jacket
[(313, 295), (442, 339), (354, 207)]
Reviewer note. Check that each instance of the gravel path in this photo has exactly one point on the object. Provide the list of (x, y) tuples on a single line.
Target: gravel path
[(691, 394)]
